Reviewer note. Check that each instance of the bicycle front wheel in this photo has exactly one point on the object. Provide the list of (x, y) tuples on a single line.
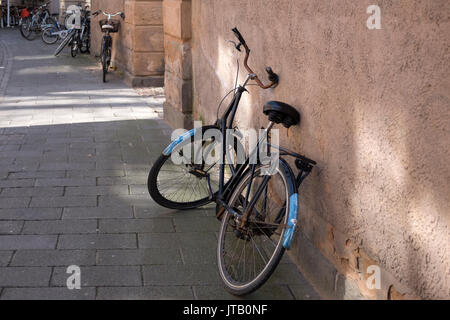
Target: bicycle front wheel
[(48, 36), (65, 42), (248, 253), (25, 30), (179, 178)]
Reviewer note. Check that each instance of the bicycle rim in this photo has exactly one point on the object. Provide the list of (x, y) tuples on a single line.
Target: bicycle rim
[(48, 38), (184, 185), (247, 256)]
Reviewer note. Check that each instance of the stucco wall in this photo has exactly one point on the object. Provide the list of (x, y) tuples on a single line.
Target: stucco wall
[(376, 116)]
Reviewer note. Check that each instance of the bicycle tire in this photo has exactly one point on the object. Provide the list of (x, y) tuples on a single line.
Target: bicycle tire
[(231, 285), (152, 182), (74, 49), (104, 57), (47, 36), (64, 42), (24, 30)]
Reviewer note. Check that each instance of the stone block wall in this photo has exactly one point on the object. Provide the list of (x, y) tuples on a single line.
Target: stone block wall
[(178, 58)]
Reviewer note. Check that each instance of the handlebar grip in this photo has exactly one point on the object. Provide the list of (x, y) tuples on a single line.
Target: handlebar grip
[(273, 77), (239, 36)]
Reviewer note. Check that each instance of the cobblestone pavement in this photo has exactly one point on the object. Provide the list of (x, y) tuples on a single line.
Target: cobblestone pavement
[(74, 158)]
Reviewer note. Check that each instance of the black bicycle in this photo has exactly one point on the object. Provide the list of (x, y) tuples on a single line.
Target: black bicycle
[(78, 37), (32, 26), (108, 26), (256, 201)]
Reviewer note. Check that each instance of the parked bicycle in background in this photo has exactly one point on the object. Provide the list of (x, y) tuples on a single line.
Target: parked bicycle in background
[(108, 26), (41, 18), (79, 35)]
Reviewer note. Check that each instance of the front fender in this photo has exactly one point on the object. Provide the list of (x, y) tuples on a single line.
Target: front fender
[(179, 140)]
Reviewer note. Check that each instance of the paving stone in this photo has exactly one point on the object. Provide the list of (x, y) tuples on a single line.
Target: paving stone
[(136, 225), (95, 173), (192, 224), (102, 276), (65, 182), (32, 192), (98, 213), (304, 291), (69, 201), (24, 276), (154, 210), (37, 174), (102, 241), (16, 183), (10, 227), (60, 227), (266, 292), (5, 257), (139, 257), (48, 294), (22, 242), (145, 293), (67, 166), (109, 181), (287, 274), (97, 190), (164, 275), (138, 189), (199, 255), (176, 240), (31, 214), (11, 203), (42, 258)]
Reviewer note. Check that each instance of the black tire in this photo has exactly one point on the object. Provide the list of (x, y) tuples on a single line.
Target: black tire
[(163, 200), (74, 49), (104, 67), (65, 42), (228, 274), (106, 50), (85, 45), (24, 30)]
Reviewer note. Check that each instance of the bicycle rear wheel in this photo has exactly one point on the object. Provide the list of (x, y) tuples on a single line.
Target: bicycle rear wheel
[(74, 48), (248, 253)]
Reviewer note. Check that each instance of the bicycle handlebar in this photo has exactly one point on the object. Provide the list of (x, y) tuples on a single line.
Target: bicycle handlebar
[(273, 77), (109, 15)]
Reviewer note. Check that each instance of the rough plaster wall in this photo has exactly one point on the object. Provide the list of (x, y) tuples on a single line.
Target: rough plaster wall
[(375, 107)]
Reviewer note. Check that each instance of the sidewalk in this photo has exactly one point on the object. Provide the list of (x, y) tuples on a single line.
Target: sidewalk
[(74, 159)]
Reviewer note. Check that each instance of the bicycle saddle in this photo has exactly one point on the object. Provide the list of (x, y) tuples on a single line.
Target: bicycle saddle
[(280, 112)]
